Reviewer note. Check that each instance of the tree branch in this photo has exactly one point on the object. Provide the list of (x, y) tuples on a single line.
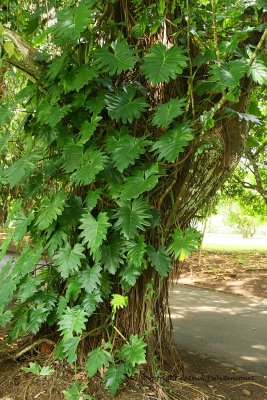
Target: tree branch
[(26, 58), (259, 185)]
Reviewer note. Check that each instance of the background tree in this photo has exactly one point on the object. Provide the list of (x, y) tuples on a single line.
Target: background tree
[(125, 136)]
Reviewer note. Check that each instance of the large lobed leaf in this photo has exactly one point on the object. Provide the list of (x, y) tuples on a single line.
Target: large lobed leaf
[(68, 260), (50, 209), (172, 143), (134, 353), (71, 22), (97, 358), (90, 278), (114, 376), (125, 148), (167, 112), (160, 260), (94, 230), (161, 64), (89, 165), (132, 216), (184, 243), (140, 182), (72, 321), (124, 106), (116, 58)]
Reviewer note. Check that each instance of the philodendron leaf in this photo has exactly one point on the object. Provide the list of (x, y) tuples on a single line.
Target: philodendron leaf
[(116, 58), (118, 301), (76, 392), (140, 182), (132, 216), (36, 369), (97, 358), (94, 230), (167, 112), (124, 148), (68, 260), (133, 353), (125, 106), (72, 321), (161, 64), (172, 143), (114, 376), (184, 243), (160, 260)]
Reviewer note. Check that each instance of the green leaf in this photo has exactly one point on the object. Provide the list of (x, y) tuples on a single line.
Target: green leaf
[(73, 289), (118, 301), (258, 72), (91, 301), (5, 317), (58, 239), (72, 156), (70, 345), (28, 287), (136, 251), (89, 278), (173, 142), (160, 64), (19, 171), (72, 320), (78, 78), (166, 113), (125, 149), (184, 243), (132, 216), (36, 369), (76, 392), (50, 209), (68, 260), (20, 224), (2, 30), (97, 358), (140, 182), (56, 66), (112, 255), (160, 260), (92, 198), (71, 22), (114, 376), (36, 318), (7, 289), (245, 116), (116, 61), (134, 353), (94, 230), (27, 261), (4, 247), (124, 107), (88, 129), (51, 115), (229, 74), (129, 275), (92, 162)]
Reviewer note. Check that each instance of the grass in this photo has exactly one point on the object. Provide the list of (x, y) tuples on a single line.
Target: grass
[(247, 247)]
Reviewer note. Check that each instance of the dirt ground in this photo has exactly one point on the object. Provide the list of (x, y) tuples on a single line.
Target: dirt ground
[(202, 378), (238, 273)]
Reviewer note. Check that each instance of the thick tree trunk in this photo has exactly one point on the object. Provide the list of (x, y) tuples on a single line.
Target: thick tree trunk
[(205, 172)]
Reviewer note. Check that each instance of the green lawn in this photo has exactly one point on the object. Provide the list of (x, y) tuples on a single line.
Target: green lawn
[(235, 247)]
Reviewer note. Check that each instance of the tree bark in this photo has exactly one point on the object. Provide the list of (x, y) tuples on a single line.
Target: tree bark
[(25, 56)]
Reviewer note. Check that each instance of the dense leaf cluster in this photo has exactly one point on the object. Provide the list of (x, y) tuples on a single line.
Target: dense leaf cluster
[(96, 141)]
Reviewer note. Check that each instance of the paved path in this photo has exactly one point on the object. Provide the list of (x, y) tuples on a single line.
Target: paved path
[(232, 329), (5, 260)]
